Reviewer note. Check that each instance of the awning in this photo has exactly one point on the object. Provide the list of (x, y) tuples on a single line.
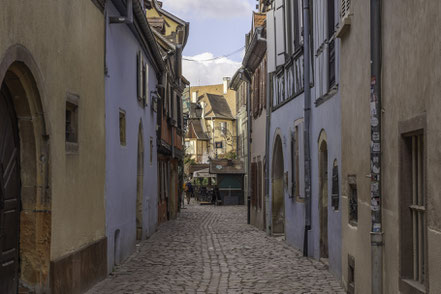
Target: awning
[(203, 173)]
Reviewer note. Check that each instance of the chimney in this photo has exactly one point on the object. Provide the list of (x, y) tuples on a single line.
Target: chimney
[(226, 84), (194, 97)]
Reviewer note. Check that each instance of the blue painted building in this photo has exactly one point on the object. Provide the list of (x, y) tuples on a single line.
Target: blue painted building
[(286, 199), (133, 69)]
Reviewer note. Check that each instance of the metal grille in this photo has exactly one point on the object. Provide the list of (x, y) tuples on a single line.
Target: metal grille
[(345, 8), (417, 209)]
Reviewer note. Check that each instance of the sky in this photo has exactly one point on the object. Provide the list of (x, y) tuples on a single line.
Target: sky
[(217, 28)]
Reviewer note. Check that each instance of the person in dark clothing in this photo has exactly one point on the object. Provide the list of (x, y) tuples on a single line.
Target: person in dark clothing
[(190, 192)]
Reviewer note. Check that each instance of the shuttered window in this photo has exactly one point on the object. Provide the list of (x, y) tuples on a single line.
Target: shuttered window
[(253, 184), (335, 198), (418, 210)]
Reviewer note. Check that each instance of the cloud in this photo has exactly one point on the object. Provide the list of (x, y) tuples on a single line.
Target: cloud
[(220, 9), (203, 72)]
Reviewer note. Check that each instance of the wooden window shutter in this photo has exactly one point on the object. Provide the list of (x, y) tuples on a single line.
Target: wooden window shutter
[(280, 32), (265, 80), (253, 184), (271, 40), (146, 85), (259, 169), (293, 165), (335, 185), (139, 75), (262, 88)]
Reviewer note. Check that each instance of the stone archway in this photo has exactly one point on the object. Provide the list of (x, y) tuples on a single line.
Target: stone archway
[(278, 195), (323, 194), (20, 87), (140, 186)]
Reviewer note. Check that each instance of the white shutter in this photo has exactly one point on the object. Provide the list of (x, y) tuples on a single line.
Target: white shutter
[(280, 32), (271, 41)]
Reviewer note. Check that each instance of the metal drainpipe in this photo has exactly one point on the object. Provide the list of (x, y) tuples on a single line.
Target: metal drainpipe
[(375, 110), (249, 152), (306, 132), (267, 156)]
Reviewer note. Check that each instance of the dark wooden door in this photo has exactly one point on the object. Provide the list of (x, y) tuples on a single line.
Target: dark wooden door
[(9, 195)]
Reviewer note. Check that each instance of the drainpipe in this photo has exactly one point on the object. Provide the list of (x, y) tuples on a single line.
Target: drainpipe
[(306, 132), (375, 107), (267, 157)]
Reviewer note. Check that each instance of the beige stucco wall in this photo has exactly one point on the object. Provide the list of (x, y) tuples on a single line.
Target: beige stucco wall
[(411, 80), (66, 40), (355, 95)]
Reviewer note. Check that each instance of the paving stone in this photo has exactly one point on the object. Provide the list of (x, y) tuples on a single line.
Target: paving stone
[(212, 250)]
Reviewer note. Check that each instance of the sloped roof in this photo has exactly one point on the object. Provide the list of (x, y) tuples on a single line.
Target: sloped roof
[(219, 106), (196, 125)]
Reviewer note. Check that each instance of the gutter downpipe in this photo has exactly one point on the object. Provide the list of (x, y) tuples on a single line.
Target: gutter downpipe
[(307, 115), (375, 149)]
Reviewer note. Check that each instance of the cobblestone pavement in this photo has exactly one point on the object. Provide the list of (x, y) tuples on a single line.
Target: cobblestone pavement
[(212, 250)]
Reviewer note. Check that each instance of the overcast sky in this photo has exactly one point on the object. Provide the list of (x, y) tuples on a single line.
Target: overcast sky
[(217, 28)]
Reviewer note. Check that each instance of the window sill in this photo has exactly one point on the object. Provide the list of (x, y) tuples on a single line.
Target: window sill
[(411, 287), (331, 93), (353, 224), (72, 148)]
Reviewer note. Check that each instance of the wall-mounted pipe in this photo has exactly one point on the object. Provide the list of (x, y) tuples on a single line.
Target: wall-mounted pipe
[(128, 18), (306, 132), (375, 148)]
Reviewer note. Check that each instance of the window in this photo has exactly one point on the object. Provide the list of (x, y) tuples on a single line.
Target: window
[(413, 212), (71, 123), (223, 128), (122, 127), (335, 198), (353, 201)]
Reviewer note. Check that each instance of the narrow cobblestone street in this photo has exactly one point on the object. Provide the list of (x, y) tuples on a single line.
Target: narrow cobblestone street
[(212, 250)]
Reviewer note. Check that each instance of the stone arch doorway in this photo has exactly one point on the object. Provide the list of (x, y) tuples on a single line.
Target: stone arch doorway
[(278, 199), (25, 217), (140, 186), (323, 194)]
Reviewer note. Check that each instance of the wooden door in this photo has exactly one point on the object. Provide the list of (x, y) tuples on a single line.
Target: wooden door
[(9, 195)]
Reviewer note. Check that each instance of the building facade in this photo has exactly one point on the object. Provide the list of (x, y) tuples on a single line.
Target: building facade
[(171, 33), (241, 88), (402, 184), (212, 131), (52, 133), (306, 209), (254, 69), (131, 154)]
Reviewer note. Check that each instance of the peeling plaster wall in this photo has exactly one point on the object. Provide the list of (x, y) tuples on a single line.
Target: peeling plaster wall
[(121, 171)]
